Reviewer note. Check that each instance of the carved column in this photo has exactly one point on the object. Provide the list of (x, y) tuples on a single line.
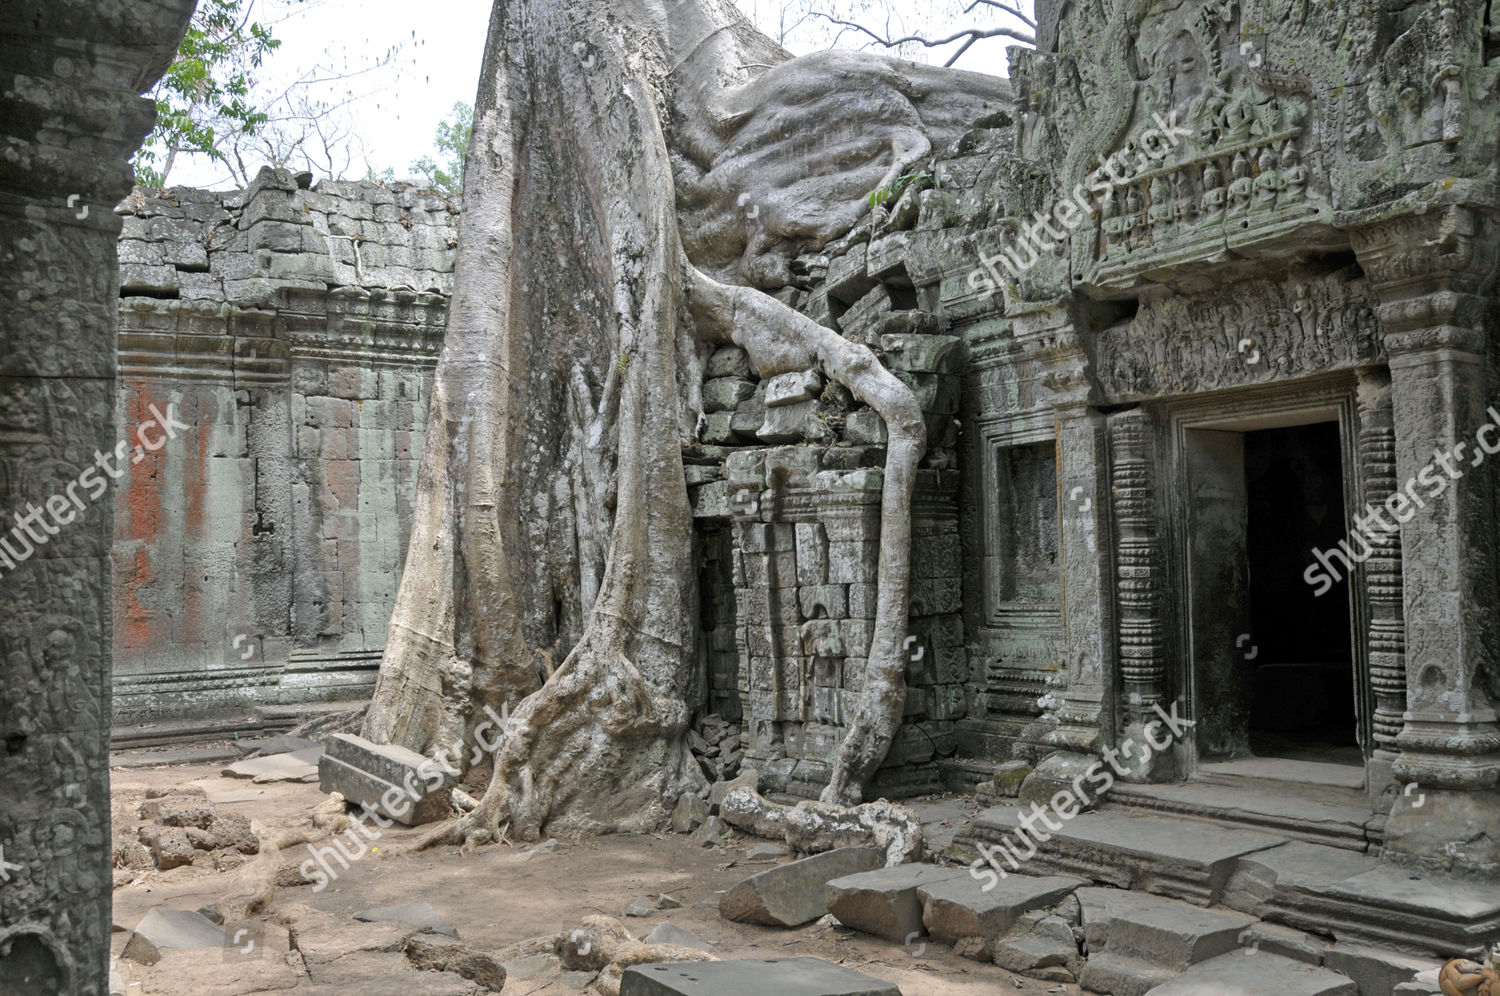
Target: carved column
[(70, 117), (1385, 636), (1431, 273), (1138, 572), (1052, 335)]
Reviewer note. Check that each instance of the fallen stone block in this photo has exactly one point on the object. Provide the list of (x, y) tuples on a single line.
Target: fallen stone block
[(1041, 945), (884, 902), (415, 916), (755, 977), (690, 813), (297, 766), (670, 933), (794, 893), (956, 908), (431, 953), (179, 811), (170, 847), (393, 781), (164, 928), (1256, 975), (1156, 930)]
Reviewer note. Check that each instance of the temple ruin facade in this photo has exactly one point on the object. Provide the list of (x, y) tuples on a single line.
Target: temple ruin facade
[(1199, 323)]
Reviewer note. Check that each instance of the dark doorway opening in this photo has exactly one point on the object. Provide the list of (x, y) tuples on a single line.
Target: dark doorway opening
[(1303, 683)]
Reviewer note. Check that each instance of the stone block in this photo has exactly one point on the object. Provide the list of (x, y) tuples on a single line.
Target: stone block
[(886, 259), (1252, 975), (851, 563), (168, 928), (393, 781), (793, 894), (865, 313), (865, 427), (884, 902), (812, 554), (862, 600), (690, 813), (724, 394), (758, 977), (970, 906), (786, 423), (1038, 942), (790, 388), (848, 279), (1372, 969), (924, 354), (827, 601), (934, 596), (718, 429), (729, 361)]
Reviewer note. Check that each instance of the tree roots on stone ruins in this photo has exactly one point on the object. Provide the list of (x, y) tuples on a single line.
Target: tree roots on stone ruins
[(638, 170)]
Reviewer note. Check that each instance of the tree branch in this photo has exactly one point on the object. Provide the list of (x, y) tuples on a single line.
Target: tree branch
[(972, 34)]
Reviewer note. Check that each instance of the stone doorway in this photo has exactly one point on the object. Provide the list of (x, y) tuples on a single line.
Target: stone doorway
[(1273, 665)]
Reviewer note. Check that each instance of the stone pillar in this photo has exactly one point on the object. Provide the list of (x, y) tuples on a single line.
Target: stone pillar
[(1385, 634), (1431, 273), (1053, 336), (1138, 573), (70, 118)]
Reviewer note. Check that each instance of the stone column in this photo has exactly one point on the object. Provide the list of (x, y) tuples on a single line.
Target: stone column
[(1053, 335), (71, 72), (1138, 574), (1385, 635), (1431, 273)]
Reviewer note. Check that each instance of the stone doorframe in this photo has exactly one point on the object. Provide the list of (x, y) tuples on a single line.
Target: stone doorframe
[(1177, 673)]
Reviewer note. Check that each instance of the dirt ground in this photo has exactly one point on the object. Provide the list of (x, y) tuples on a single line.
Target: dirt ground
[(495, 896)]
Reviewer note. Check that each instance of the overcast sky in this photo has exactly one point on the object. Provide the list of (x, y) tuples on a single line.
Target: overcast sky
[(442, 43)]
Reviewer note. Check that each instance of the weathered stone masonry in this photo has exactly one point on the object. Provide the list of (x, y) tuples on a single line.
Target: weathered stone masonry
[(295, 331)]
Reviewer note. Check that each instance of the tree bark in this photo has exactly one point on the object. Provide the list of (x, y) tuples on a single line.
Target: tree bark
[(604, 244)]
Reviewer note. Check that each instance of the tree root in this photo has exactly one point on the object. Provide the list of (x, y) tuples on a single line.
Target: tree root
[(812, 827)]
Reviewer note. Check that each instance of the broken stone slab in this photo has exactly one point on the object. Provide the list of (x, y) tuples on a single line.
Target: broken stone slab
[(414, 916), (393, 781), (792, 894), (300, 765), (690, 813), (884, 902), (1256, 975), (711, 833), (430, 953), (985, 906), (644, 906), (670, 933), (1041, 945), (282, 743), (752, 977), (1374, 970), (165, 928)]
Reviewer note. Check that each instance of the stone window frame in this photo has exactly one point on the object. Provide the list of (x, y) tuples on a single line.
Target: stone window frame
[(996, 437)]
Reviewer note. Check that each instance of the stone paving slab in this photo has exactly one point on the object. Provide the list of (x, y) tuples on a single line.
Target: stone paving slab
[(1156, 930), (753, 977), (884, 902), (295, 766), (956, 908), (792, 894), (1241, 974), (1130, 851)]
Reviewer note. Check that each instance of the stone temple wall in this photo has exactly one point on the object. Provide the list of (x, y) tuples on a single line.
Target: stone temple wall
[(292, 332)]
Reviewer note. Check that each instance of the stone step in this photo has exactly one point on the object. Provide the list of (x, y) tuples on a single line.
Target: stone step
[(1345, 822), (752, 977), (1120, 975), (1243, 974), (1163, 932), (1357, 899), (1123, 849), (956, 909), (884, 902)]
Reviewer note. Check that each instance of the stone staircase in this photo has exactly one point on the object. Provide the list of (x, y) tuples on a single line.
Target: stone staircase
[(1171, 904)]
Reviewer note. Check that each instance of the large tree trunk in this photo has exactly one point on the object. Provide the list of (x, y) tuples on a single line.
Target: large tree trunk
[(616, 144)]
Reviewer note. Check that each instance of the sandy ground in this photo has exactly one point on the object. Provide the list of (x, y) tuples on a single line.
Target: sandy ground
[(495, 896)]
